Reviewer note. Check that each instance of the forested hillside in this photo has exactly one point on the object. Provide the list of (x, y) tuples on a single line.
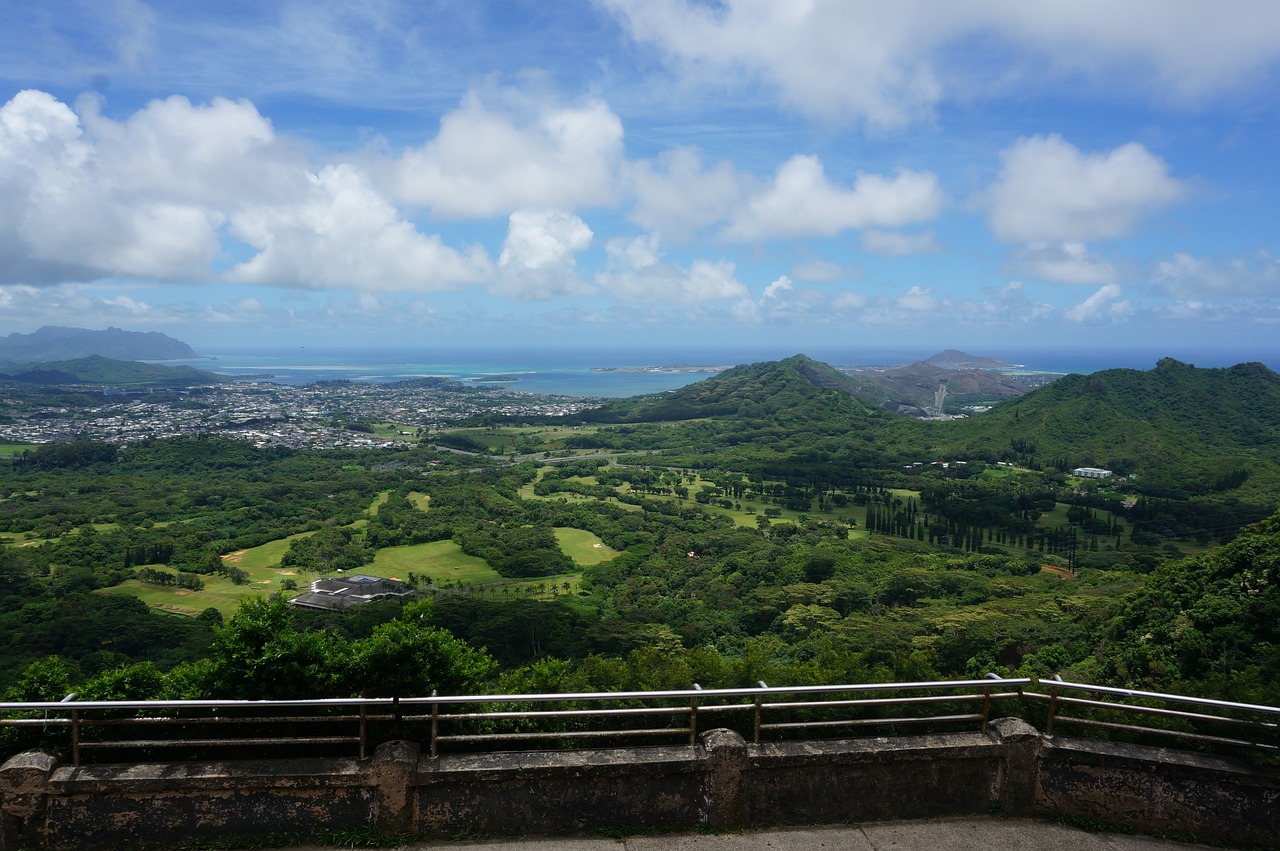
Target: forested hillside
[(98, 370), (761, 525)]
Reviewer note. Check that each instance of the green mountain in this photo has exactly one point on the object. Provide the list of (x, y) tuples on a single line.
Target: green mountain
[(759, 390), (1178, 421), (99, 370)]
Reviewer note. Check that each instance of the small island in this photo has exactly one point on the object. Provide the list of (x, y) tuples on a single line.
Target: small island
[(678, 369), (494, 379)]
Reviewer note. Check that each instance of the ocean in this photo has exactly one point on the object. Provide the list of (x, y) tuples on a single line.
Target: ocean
[(631, 371)]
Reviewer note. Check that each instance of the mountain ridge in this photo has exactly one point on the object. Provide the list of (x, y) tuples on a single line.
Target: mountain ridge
[(59, 343)]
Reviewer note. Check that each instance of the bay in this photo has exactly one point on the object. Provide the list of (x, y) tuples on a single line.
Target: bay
[(620, 372)]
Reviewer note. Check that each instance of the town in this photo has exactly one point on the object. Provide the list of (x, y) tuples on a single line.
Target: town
[(313, 416)]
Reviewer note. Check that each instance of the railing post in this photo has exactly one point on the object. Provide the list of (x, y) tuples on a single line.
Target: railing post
[(759, 711), (75, 732), (435, 725), (693, 716), (986, 701), (364, 728), (1053, 705)]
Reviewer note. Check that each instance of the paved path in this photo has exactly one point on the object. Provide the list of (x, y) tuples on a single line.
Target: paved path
[(979, 833)]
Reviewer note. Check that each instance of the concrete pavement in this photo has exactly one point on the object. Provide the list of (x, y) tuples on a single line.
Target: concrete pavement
[(976, 833)]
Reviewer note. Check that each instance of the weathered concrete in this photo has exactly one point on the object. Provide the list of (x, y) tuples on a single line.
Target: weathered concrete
[(722, 783), (1154, 789), (654, 788)]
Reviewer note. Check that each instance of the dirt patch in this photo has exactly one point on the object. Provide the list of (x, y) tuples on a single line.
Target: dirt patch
[(234, 558), (288, 573), (181, 593), (1060, 571)]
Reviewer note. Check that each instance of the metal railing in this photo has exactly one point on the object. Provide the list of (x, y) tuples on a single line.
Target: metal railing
[(1192, 719), (494, 722), (146, 729)]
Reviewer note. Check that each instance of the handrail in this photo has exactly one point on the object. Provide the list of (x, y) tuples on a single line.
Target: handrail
[(1197, 720), (498, 720), (681, 707)]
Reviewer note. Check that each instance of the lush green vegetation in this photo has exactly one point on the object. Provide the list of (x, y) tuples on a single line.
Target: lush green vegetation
[(767, 527)]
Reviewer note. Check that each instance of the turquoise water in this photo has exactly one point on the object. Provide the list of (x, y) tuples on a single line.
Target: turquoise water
[(588, 372)]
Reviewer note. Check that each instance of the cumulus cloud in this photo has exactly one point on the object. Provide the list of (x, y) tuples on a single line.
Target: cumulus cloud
[(801, 201), (1103, 305), (918, 300), (1062, 263), (1050, 191), (676, 195), (342, 233), (897, 244), (635, 271), (69, 210), (886, 64), (1185, 276), (537, 260), (487, 162)]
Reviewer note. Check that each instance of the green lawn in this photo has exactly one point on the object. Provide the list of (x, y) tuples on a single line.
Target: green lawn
[(219, 592), (9, 449), (267, 555), (582, 546), (443, 561), (378, 501)]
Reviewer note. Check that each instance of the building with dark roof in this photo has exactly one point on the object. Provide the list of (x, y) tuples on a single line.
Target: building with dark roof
[(338, 593)]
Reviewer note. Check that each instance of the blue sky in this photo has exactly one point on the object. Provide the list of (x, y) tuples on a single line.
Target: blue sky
[(993, 175)]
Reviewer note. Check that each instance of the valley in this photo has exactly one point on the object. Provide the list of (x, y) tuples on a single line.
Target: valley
[(762, 524)]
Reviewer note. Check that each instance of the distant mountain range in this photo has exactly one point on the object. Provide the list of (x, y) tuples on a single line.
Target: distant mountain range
[(97, 370), (54, 343)]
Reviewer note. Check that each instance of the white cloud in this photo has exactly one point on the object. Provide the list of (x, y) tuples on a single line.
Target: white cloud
[(886, 64), (896, 244), (1062, 263), (1187, 277), (487, 162), (70, 209), (777, 288), (802, 202), (1049, 191), (1103, 305), (636, 272), (918, 300), (343, 234), (537, 260), (676, 196)]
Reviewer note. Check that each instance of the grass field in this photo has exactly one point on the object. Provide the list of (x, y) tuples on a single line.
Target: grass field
[(420, 501), (219, 592), (10, 449), (267, 555), (443, 561), (582, 546)]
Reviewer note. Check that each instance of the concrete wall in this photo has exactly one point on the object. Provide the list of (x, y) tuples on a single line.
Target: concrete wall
[(721, 783)]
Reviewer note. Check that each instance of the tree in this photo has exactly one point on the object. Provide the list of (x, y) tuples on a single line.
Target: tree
[(407, 657)]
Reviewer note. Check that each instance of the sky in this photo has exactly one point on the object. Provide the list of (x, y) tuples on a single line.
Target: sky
[(987, 175)]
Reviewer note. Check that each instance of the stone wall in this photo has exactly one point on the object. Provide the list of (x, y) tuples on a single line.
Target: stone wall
[(721, 783)]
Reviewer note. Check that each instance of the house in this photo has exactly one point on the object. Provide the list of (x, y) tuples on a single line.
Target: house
[(1091, 473), (338, 593)]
